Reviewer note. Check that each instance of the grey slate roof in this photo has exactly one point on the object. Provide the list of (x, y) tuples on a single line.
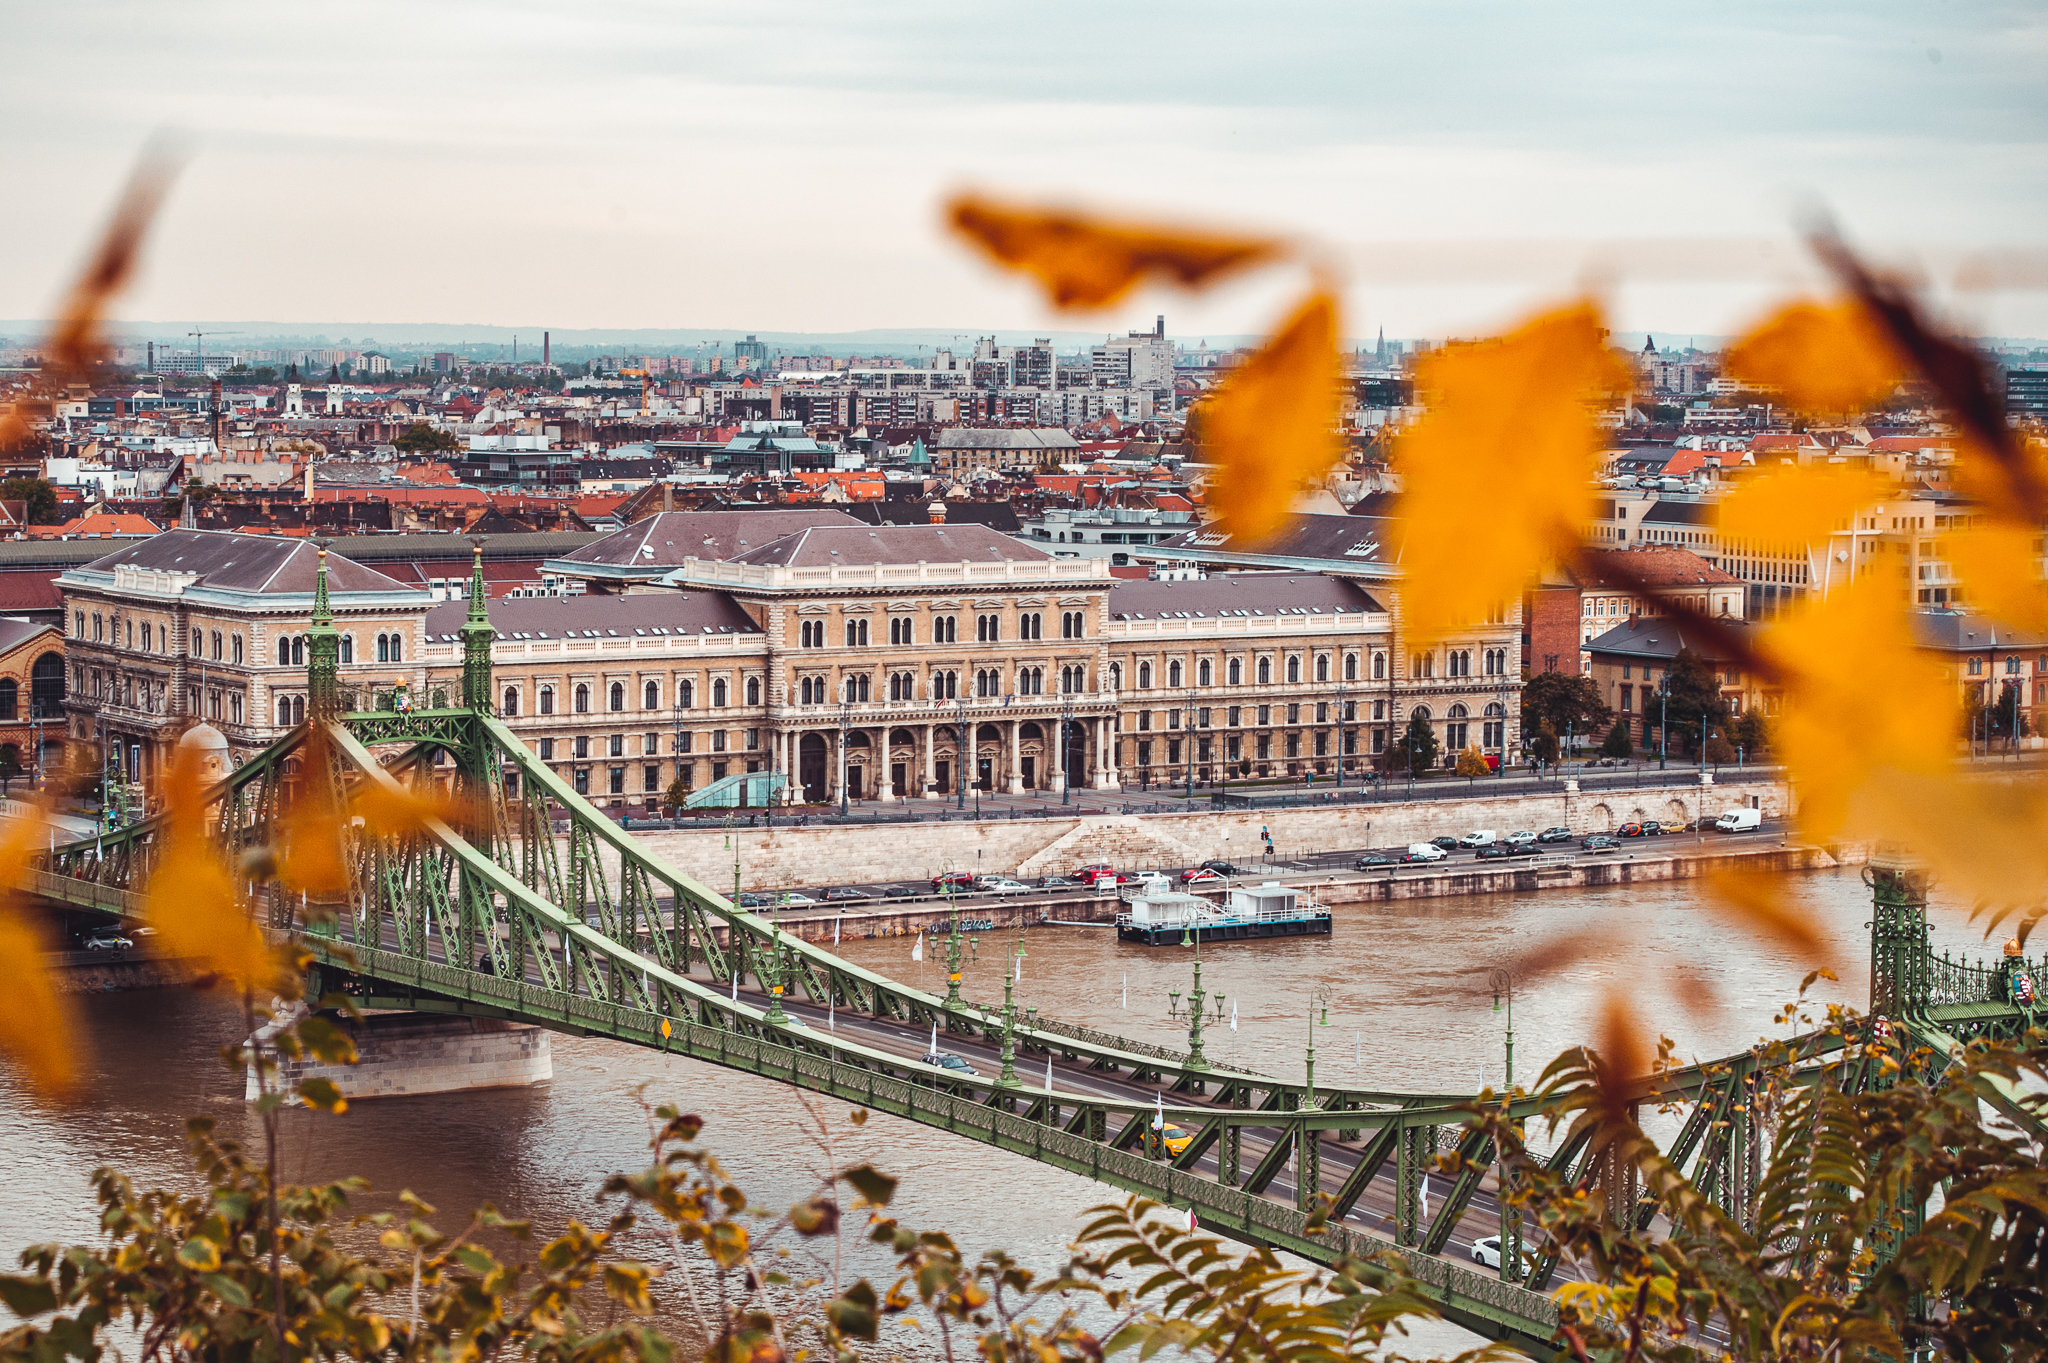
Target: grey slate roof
[(1008, 438), (1239, 594), (1337, 543), (822, 546), (662, 541), (1961, 632), (1657, 639), (15, 633), (565, 617), (265, 565)]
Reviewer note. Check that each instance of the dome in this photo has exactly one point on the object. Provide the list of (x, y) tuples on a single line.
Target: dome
[(210, 746)]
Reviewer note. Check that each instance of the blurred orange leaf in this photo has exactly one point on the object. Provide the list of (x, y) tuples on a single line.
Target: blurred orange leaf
[(1985, 837), (1271, 426), (310, 858), (192, 900), (1497, 478), (1088, 262), (76, 345), (1860, 699), (1798, 505), (387, 811), (36, 1021), (1622, 1058), (1756, 904), (1821, 357), (2001, 562)]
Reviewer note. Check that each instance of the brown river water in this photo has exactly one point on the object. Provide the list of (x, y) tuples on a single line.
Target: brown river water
[(1404, 985)]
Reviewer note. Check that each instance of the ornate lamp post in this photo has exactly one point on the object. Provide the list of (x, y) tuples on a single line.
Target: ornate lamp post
[(1504, 988), (1308, 1097), (953, 952), (773, 973), (1510, 1219), (1008, 1078), (1196, 1060)]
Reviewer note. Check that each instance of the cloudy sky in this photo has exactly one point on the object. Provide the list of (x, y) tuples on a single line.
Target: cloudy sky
[(780, 165)]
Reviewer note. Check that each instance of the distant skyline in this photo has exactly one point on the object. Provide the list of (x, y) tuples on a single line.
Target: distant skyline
[(780, 168)]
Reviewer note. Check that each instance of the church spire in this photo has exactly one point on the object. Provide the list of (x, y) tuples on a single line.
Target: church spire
[(323, 648)]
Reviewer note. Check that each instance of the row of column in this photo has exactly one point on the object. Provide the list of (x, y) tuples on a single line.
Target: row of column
[(786, 747)]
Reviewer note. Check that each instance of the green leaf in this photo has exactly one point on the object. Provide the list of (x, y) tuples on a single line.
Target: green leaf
[(855, 1312), (226, 1288), (200, 1254), (322, 1096), (872, 1184), (326, 1041), (26, 1296)]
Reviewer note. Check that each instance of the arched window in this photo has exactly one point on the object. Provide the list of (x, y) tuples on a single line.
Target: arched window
[(236, 649), (284, 710), (398, 648), (1379, 667), (650, 696), (1205, 673), (215, 640), (284, 652), (299, 651), (1493, 732), (10, 697), (686, 694), (1265, 671), (1294, 669), (1116, 676), (582, 696), (511, 706), (618, 696), (198, 645), (900, 629), (1236, 672), (1455, 730), (547, 700), (1322, 667), (754, 690), (1144, 676), (298, 709), (383, 648), (348, 648), (856, 633), (1351, 667), (718, 694), (1173, 673)]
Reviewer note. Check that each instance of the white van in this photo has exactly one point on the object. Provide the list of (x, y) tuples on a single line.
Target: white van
[(1740, 820), (1425, 851), (1478, 837)]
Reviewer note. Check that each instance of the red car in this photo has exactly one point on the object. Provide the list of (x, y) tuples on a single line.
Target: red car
[(1631, 830), (1101, 871), (958, 880), (1198, 875)]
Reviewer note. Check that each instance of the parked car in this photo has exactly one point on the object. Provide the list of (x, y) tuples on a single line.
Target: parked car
[(108, 940), (1478, 837), (1524, 849), (1599, 842), (1631, 829), (1652, 827), (1101, 871), (845, 892), (791, 899), (1224, 868), (903, 892), (952, 880), (1492, 851), (749, 900), (1005, 885), (1521, 836), (1200, 875), (1058, 883), (1424, 851), (1740, 820), (1558, 834), (1446, 842), (1372, 859), (946, 1060)]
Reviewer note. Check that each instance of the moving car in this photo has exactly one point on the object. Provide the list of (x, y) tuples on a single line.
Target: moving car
[(1447, 842), (1224, 868), (107, 940), (953, 880), (1740, 820), (1491, 851), (1005, 885), (790, 899), (1652, 827), (946, 1060), (1558, 834), (1101, 871), (1486, 1251), (1631, 829), (1599, 842), (750, 900), (902, 892), (1521, 836), (1200, 875), (1524, 849), (1424, 851), (1478, 837), (846, 892), (1175, 1138), (1058, 883), (1372, 859)]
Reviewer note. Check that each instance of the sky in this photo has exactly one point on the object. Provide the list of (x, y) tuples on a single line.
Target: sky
[(782, 166)]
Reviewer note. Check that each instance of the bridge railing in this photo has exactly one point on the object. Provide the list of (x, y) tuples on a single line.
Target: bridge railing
[(81, 893)]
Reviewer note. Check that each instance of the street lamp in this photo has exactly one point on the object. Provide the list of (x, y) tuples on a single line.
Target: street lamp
[(960, 749), (1504, 988), (1196, 1061), (1663, 717), (1510, 1217)]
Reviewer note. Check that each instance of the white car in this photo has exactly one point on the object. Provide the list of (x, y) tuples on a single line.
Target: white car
[(1004, 885), (1424, 851), (1486, 1252), (792, 900), (1520, 838), (1478, 837)]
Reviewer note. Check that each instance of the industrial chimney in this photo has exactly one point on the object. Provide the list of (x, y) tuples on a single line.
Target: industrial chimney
[(1159, 327), (545, 351)]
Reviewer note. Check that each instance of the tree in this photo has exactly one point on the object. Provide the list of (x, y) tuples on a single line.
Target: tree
[(1618, 745), (1541, 744), (677, 795), (420, 438), (1752, 733), (1693, 698), (40, 496), (2006, 718), (1472, 764), (1719, 750), (1561, 701), (1415, 750)]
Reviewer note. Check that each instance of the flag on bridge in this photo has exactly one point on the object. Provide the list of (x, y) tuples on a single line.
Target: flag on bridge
[(917, 952), (1233, 1015)]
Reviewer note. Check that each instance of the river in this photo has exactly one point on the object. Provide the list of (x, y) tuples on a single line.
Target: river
[(1407, 1006)]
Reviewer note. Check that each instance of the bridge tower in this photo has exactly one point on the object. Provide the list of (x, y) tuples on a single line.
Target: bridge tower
[(323, 651), (1898, 940), (477, 638)]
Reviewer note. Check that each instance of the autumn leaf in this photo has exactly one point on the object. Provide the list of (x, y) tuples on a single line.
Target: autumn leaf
[(2001, 563), (1985, 837), (37, 1022), (1089, 262), (1860, 699), (1795, 506), (192, 901), (1497, 478), (311, 858), (1756, 904), (1271, 426), (387, 811), (1822, 358), (75, 345)]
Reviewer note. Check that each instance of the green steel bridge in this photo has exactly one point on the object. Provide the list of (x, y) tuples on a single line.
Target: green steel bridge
[(590, 934)]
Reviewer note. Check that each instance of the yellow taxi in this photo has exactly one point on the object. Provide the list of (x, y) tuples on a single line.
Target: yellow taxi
[(1176, 1138)]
